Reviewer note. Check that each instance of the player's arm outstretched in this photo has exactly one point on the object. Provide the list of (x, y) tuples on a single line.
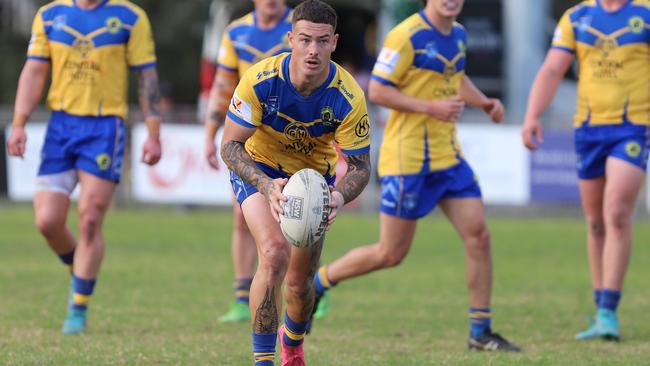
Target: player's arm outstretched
[(149, 95), (224, 84), (239, 161), (471, 95), (391, 97), (542, 92), (30, 90)]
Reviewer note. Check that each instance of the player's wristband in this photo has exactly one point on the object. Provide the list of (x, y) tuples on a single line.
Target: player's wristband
[(153, 125), (20, 120)]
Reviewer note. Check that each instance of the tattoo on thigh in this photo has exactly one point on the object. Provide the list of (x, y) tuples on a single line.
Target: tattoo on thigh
[(266, 316)]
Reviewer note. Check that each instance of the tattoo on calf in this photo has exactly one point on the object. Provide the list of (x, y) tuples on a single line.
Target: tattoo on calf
[(356, 178), (266, 316)]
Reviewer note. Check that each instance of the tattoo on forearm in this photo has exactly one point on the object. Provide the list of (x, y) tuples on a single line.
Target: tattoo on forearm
[(356, 178), (217, 118), (266, 316), (149, 91), (235, 156)]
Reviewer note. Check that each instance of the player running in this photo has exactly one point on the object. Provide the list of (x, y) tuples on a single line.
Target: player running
[(89, 45), (285, 115), (420, 76), (610, 39), (254, 37)]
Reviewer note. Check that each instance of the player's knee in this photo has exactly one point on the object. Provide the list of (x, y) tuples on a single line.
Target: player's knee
[(618, 217), (391, 257), (89, 224), (49, 225), (274, 260), (299, 286), (478, 240), (596, 227)]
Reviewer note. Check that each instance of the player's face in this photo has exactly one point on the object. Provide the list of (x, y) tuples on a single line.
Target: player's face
[(312, 45), (269, 7), (448, 8)]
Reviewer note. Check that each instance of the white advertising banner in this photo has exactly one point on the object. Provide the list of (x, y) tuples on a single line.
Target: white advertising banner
[(500, 161), (183, 174)]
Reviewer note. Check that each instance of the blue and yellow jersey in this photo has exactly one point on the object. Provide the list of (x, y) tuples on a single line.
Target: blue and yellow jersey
[(294, 131), (243, 44), (613, 53), (90, 52), (426, 64)]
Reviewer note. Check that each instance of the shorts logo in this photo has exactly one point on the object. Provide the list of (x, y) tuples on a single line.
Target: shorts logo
[(83, 46), (114, 25), (327, 116), (410, 201), (363, 127), (293, 208), (637, 24), (103, 161), (633, 149)]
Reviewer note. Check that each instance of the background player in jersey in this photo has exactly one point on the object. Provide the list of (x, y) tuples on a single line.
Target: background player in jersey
[(284, 116), (610, 40), (88, 52), (254, 37), (420, 76)]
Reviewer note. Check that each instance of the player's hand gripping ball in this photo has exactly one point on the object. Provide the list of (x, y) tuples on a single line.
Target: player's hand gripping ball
[(307, 207)]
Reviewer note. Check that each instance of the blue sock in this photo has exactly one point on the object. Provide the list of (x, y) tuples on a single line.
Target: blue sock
[(242, 289), (598, 294), (609, 299), (322, 282), (294, 332), (480, 321), (83, 289), (67, 259), (264, 348)]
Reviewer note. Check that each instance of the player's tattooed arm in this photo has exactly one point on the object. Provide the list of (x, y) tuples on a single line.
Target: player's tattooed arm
[(149, 92), (235, 156), (356, 178), (266, 315)]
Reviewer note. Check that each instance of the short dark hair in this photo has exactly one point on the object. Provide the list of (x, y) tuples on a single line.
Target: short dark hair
[(424, 2), (315, 11)]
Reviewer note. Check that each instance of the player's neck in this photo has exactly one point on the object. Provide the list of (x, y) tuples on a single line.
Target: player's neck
[(88, 4), (442, 24), (269, 21), (613, 5), (306, 85)]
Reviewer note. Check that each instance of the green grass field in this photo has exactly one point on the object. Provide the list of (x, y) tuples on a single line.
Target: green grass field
[(167, 277)]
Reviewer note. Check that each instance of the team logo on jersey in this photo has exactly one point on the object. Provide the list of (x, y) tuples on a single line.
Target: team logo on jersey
[(113, 24), (271, 106), (462, 48), (584, 23), (298, 136), (387, 60), (363, 127), (327, 116), (636, 25), (59, 22), (103, 161), (83, 46), (431, 50), (633, 149), (449, 72), (296, 132), (606, 45)]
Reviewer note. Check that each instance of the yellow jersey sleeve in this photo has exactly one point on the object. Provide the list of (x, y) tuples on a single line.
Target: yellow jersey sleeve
[(564, 37), (227, 58), (39, 46), (141, 51), (353, 135), (395, 58), (245, 107)]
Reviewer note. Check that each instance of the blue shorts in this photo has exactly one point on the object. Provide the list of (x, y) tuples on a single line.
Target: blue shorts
[(594, 144), (243, 189), (92, 144), (414, 196)]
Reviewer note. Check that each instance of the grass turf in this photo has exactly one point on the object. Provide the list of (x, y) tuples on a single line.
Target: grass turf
[(167, 277)]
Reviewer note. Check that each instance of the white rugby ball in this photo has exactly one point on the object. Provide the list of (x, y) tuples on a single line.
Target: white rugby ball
[(305, 214)]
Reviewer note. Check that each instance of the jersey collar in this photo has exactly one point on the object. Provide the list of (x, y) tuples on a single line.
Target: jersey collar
[(317, 92)]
